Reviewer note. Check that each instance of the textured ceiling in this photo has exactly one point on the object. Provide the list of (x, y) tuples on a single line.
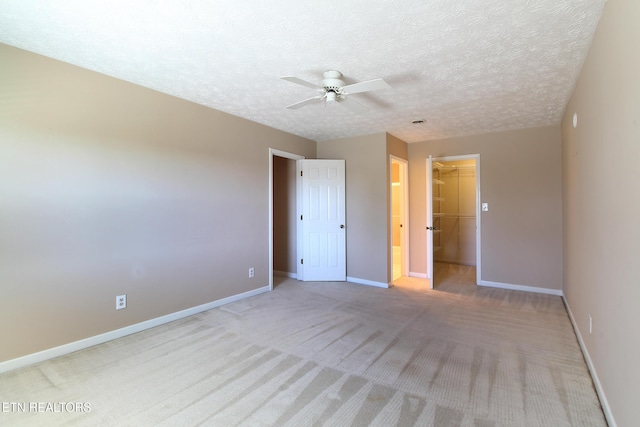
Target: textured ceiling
[(465, 66)]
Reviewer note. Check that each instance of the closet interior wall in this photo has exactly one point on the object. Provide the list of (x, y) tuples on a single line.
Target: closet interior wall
[(455, 212)]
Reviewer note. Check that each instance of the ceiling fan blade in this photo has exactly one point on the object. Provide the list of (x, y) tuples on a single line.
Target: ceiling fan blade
[(309, 101), (354, 106), (375, 84), (301, 82)]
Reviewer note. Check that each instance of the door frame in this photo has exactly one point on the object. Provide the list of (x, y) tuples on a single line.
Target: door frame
[(404, 217), (279, 153), (429, 206)]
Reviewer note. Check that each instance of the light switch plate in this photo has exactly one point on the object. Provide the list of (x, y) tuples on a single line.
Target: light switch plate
[(485, 207)]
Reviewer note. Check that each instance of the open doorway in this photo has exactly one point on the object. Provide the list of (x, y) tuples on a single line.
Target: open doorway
[(284, 205), (455, 221), (399, 195), (292, 197)]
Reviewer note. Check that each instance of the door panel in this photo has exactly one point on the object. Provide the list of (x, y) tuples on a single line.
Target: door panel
[(323, 220), (437, 213), (429, 174)]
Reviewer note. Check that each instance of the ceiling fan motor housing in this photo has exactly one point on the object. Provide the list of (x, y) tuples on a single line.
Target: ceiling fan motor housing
[(331, 81)]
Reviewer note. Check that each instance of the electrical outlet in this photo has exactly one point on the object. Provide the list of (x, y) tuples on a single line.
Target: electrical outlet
[(121, 302), (251, 272)]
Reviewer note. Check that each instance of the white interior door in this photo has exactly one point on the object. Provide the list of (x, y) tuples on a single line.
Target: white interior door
[(429, 173), (323, 220)]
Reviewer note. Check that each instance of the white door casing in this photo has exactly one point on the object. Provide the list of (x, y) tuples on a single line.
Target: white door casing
[(275, 152), (403, 196), (478, 212), (323, 220)]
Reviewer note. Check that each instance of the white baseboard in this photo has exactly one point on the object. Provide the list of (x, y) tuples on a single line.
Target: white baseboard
[(367, 282), (490, 284), (41, 356), (534, 289), (285, 274), (592, 370)]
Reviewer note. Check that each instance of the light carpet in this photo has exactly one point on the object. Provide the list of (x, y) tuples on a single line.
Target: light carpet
[(332, 354)]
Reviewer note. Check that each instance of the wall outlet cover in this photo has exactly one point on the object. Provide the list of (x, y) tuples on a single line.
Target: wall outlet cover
[(121, 302)]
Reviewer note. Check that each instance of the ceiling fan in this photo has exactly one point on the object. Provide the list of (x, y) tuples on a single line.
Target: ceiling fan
[(333, 90)]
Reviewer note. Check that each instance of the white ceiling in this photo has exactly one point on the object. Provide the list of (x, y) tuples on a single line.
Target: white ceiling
[(465, 66)]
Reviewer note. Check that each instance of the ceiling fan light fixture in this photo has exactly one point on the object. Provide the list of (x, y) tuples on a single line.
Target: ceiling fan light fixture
[(331, 97)]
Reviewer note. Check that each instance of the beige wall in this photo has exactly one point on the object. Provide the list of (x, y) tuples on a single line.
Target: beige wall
[(284, 215), (366, 196), (397, 147), (107, 188), (602, 206), (520, 173)]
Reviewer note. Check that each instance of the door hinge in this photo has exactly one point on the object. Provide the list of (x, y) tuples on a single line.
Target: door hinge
[(301, 261), (300, 217), (300, 173)]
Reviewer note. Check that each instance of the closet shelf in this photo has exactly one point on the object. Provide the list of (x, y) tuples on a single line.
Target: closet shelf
[(438, 199), (438, 181)]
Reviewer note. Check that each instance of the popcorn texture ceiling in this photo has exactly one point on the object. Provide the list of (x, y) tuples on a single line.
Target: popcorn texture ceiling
[(465, 66)]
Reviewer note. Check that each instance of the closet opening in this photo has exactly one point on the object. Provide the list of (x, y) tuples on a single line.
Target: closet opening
[(455, 197)]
